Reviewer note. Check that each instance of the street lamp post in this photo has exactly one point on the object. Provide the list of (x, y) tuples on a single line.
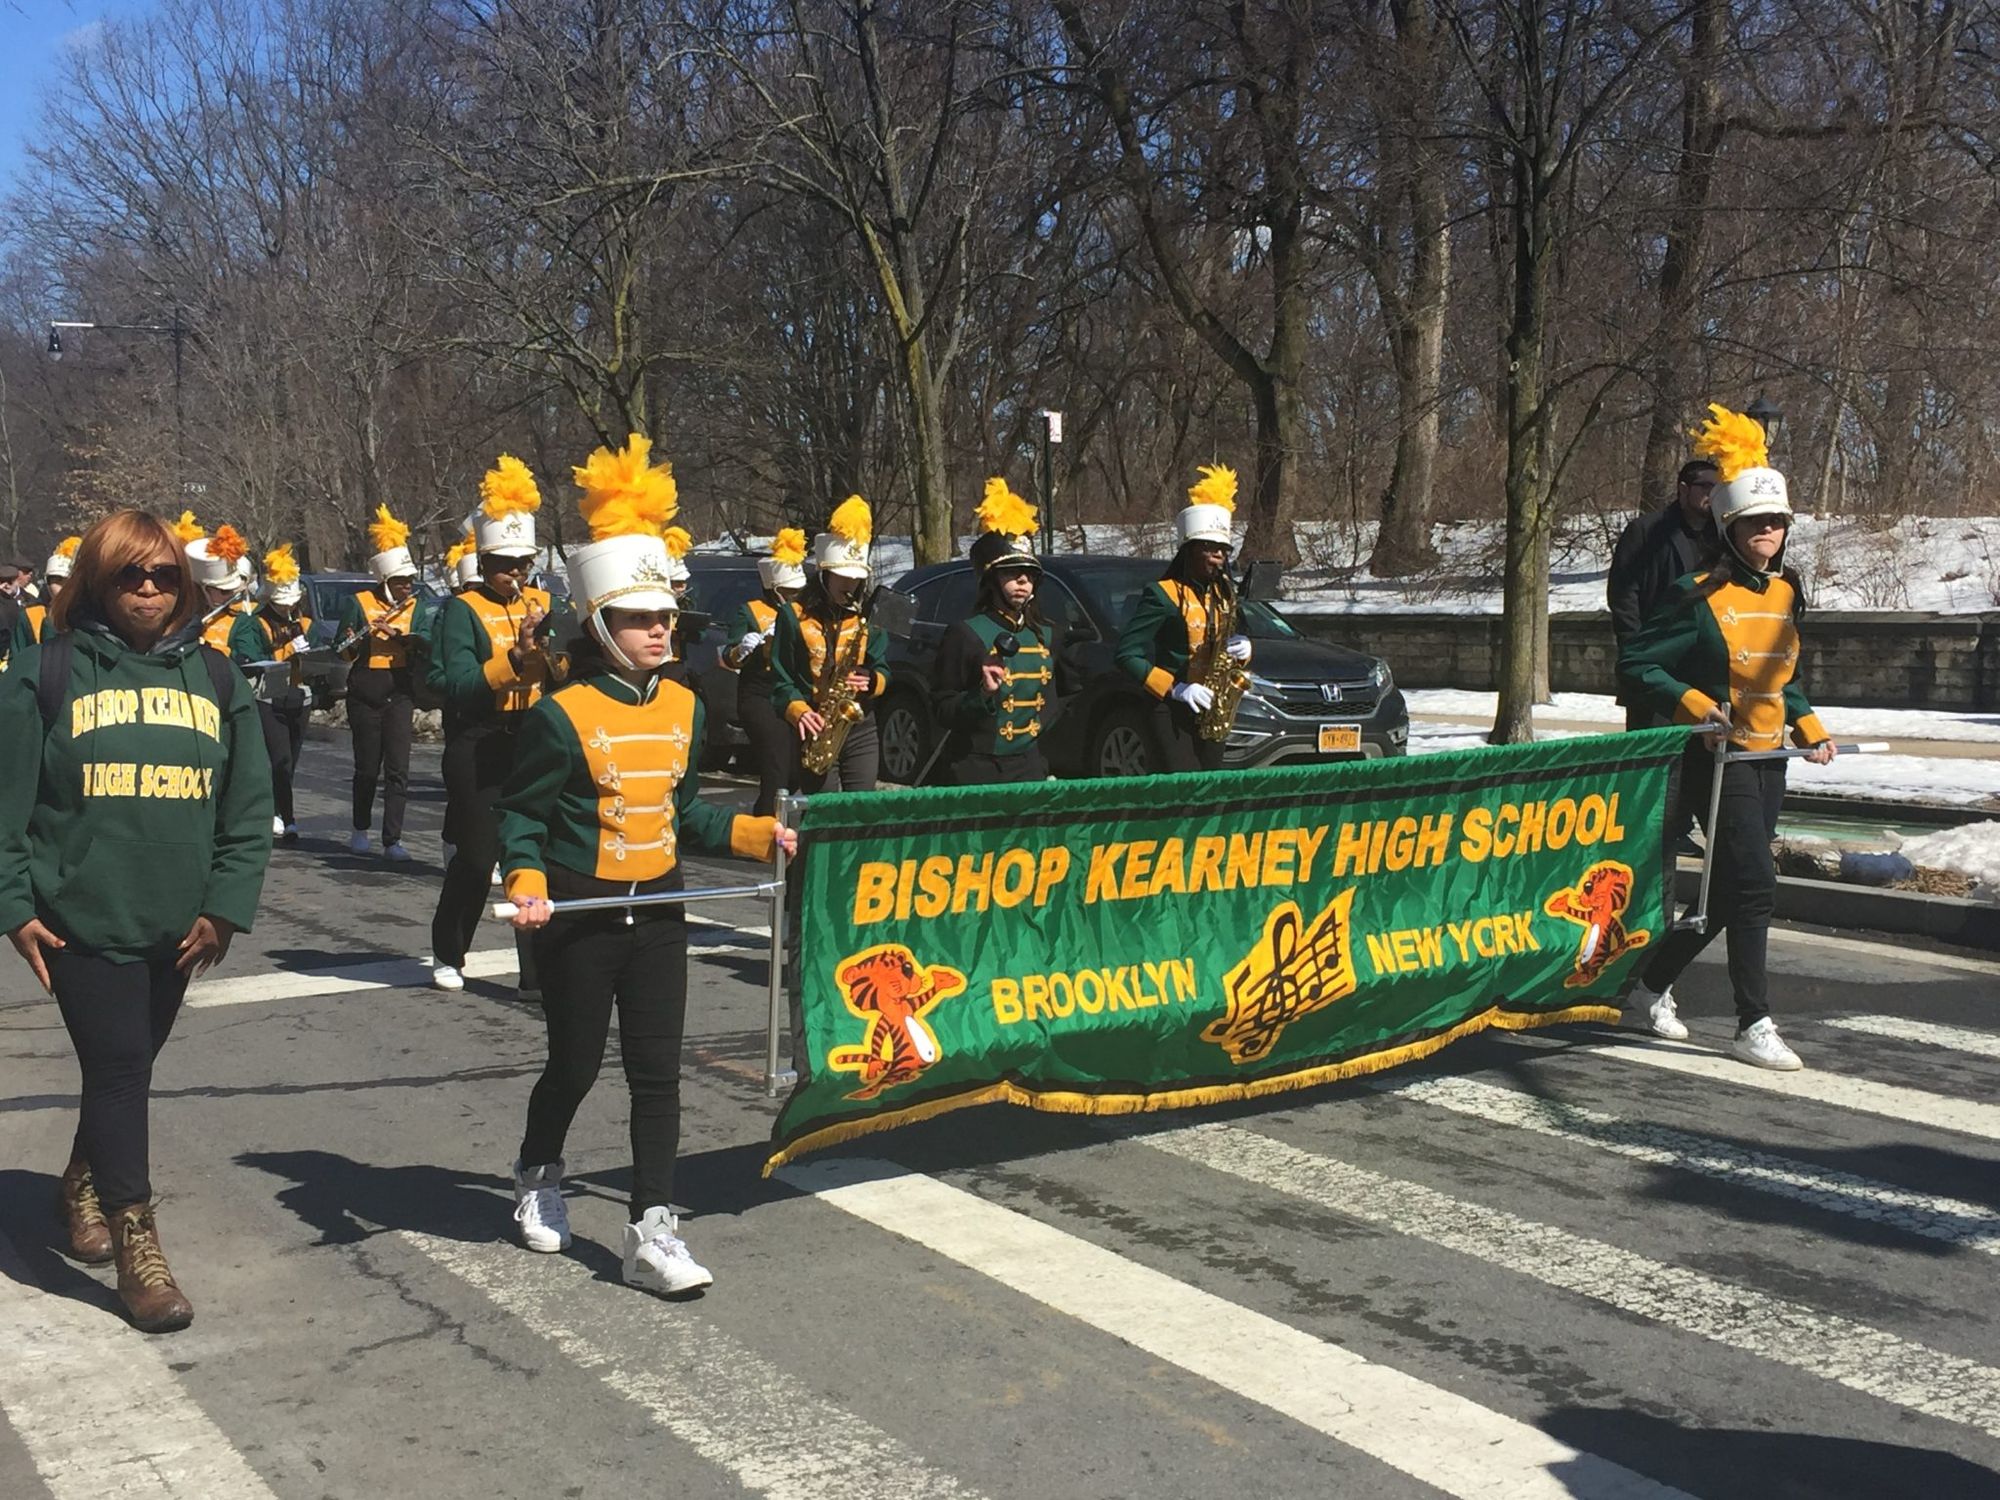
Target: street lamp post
[(1767, 416), (177, 331), (1051, 437)]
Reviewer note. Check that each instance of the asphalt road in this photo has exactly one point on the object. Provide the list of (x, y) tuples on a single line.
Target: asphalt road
[(1572, 1263)]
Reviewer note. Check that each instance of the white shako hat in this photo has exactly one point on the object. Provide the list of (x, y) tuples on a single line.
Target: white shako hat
[(622, 572), (505, 520), (467, 572), (1746, 484), (785, 568), (221, 561), (1211, 510), (626, 500), (843, 547), (391, 558), (63, 559), (678, 544), (281, 576)]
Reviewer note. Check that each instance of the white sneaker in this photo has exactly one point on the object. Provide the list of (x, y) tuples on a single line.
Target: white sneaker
[(1662, 1019), (445, 977), (395, 852), (539, 1207), (1762, 1047), (657, 1260), (496, 876), (357, 841), (277, 825)]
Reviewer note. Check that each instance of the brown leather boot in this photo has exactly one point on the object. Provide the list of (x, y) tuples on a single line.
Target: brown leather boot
[(145, 1284), (83, 1215)]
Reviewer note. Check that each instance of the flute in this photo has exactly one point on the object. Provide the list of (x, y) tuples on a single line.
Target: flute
[(235, 595), (356, 636)]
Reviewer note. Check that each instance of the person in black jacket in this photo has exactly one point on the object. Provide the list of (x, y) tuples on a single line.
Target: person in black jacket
[(1654, 551)]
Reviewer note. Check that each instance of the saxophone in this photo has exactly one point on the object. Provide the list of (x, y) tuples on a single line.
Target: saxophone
[(1214, 670), (834, 702)]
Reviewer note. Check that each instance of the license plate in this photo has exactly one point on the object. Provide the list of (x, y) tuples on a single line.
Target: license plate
[(1339, 737)]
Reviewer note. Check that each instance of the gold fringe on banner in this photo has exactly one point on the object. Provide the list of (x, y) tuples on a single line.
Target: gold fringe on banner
[(1074, 1102)]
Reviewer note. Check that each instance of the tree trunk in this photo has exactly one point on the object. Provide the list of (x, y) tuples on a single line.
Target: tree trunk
[(1529, 421), (1416, 344), (1280, 423)]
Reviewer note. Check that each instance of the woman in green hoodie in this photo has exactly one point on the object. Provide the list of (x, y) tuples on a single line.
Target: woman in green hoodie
[(135, 824)]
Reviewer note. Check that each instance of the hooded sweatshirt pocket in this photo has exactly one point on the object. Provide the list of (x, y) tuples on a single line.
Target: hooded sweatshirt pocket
[(130, 896)]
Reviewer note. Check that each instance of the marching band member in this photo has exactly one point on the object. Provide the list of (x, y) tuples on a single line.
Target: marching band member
[(824, 648), (135, 802), (1170, 621), (774, 747), (490, 668), (381, 624), (221, 566), (275, 630), (31, 624), (604, 794), (681, 579), (991, 700), (1722, 649)]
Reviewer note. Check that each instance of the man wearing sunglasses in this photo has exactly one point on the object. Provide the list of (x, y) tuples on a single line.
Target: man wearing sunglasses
[(1653, 551)]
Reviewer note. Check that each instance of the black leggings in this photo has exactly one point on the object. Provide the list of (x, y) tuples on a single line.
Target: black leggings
[(284, 731), (974, 769), (774, 748), (1743, 889), (379, 706), (119, 1016), (587, 964), (1181, 747), (477, 759)]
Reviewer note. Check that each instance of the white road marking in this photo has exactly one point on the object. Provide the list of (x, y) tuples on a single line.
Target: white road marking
[(1956, 1038), (1431, 1434), (1893, 1101), (1897, 1370), (1886, 951), (734, 1408), (1953, 1220), (98, 1410), (304, 984)]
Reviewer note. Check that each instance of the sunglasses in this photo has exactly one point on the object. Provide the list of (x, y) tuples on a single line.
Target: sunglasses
[(165, 577), (1768, 522), (496, 564)]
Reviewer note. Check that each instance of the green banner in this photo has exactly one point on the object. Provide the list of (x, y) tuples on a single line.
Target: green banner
[(1106, 947)]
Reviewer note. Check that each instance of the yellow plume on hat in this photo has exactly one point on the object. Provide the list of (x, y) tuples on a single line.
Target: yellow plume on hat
[(228, 545), (1735, 441), (509, 489), (280, 566), (1217, 486), (789, 547), (852, 521), (624, 493), (1005, 512), (678, 541), (187, 529), (68, 545), (385, 532), (457, 552)]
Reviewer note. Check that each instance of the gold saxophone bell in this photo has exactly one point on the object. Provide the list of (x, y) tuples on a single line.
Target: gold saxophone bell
[(835, 703), (1214, 669)]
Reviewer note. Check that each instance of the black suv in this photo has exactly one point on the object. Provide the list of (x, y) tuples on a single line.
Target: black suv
[(1307, 701)]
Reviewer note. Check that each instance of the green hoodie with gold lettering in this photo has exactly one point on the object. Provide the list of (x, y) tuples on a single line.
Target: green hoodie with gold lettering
[(143, 806)]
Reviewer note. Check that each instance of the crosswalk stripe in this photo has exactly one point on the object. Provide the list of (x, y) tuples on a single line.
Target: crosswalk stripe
[(304, 984), (1892, 952), (1901, 1371), (1930, 1034), (1430, 1434), (97, 1408), (1893, 1101), (725, 1401), (1956, 1221)]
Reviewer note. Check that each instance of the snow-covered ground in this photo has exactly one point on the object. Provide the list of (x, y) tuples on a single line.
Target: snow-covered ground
[(1601, 708), (1971, 850)]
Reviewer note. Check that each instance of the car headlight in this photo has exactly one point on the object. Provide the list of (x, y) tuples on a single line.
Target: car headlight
[(1382, 677)]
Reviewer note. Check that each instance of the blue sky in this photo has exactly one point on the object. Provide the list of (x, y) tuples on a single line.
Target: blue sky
[(33, 34)]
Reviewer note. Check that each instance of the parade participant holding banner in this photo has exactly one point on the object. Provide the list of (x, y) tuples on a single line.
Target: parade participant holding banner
[(604, 793), (1723, 650), (275, 630), (31, 624), (1181, 639), (378, 629), (135, 801), (492, 664), (774, 748), (992, 682), (829, 666)]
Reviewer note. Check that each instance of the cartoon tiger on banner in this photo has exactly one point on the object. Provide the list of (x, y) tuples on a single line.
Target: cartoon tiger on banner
[(889, 989), (1598, 903)]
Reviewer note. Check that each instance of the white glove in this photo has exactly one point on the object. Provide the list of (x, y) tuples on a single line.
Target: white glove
[(749, 643), (1238, 647), (1194, 695)]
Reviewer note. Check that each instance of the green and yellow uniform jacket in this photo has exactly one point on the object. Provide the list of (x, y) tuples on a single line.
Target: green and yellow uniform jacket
[(1169, 622), (606, 784), (1736, 644), (473, 671), (30, 625), (810, 643), (367, 611), (143, 806), (260, 635), (1010, 721), (215, 634), (753, 672)]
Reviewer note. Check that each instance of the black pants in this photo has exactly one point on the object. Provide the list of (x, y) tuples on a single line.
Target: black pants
[(284, 731), (971, 769), (1744, 886), (1181, 747), (477, 758), (588, 964), (119, 1016), (857, 768), (774, 748), (379, 704)]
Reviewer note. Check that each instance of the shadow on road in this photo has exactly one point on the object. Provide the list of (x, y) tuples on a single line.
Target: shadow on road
[(28, 1209), (349, 1201)]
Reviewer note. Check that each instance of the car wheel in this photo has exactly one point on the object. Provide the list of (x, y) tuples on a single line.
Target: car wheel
[(1123, 744), (905, 741)]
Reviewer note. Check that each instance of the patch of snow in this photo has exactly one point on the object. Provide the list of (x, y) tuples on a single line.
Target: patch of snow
[(1973, 850), (1601, 708)]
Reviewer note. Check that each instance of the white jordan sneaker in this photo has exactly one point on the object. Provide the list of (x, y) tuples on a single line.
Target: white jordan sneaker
[(657, 1259), (445, 977), (395, 852), (1662, 1018), (539, 1207), (357, 841), (1760, 1045)]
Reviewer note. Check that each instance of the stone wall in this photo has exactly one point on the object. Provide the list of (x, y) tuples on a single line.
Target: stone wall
[(1887, 659)]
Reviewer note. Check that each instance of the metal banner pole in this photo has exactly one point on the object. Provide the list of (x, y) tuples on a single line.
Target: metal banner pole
[(775, 1019), (1697, 920), (505, 910)]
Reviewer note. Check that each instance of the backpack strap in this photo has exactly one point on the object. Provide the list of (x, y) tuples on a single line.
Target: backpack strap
[(52, 677), (223, 676)]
